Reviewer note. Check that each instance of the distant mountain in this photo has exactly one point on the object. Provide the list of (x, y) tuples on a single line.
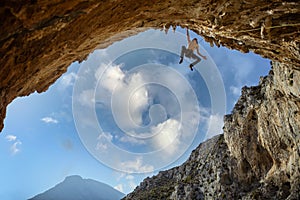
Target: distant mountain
[(77, 188)]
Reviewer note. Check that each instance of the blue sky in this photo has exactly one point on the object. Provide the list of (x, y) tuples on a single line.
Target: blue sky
[(51, 135)]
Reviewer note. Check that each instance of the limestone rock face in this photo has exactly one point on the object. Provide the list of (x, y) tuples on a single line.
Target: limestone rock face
[(40, 39), (263, 132), (257, 157)]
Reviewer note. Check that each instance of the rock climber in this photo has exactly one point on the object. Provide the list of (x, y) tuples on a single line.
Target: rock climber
[(189, 51)]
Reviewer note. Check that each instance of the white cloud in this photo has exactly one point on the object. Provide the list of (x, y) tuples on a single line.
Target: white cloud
[(131, 140), (215, 125), (111, 77), (204, 114), (167, 135), (164, 136), (236, 91), (138, 99), (119, 187), (15, 147), (49, 120), (87, 98), (126, 181), (129, 100), (11, 138), (67, 80), (103, 140), (136, 165), (129, 177), (119, 175), (132, 185)]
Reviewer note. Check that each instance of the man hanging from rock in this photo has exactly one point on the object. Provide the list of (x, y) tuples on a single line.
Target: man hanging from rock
[(189, 52)]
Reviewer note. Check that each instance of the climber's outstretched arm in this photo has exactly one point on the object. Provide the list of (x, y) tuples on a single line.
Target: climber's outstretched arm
[(188, 35)]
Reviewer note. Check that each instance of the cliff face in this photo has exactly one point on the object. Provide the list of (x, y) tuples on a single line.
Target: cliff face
[(257, 157), (263, 133), (40, 39)]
